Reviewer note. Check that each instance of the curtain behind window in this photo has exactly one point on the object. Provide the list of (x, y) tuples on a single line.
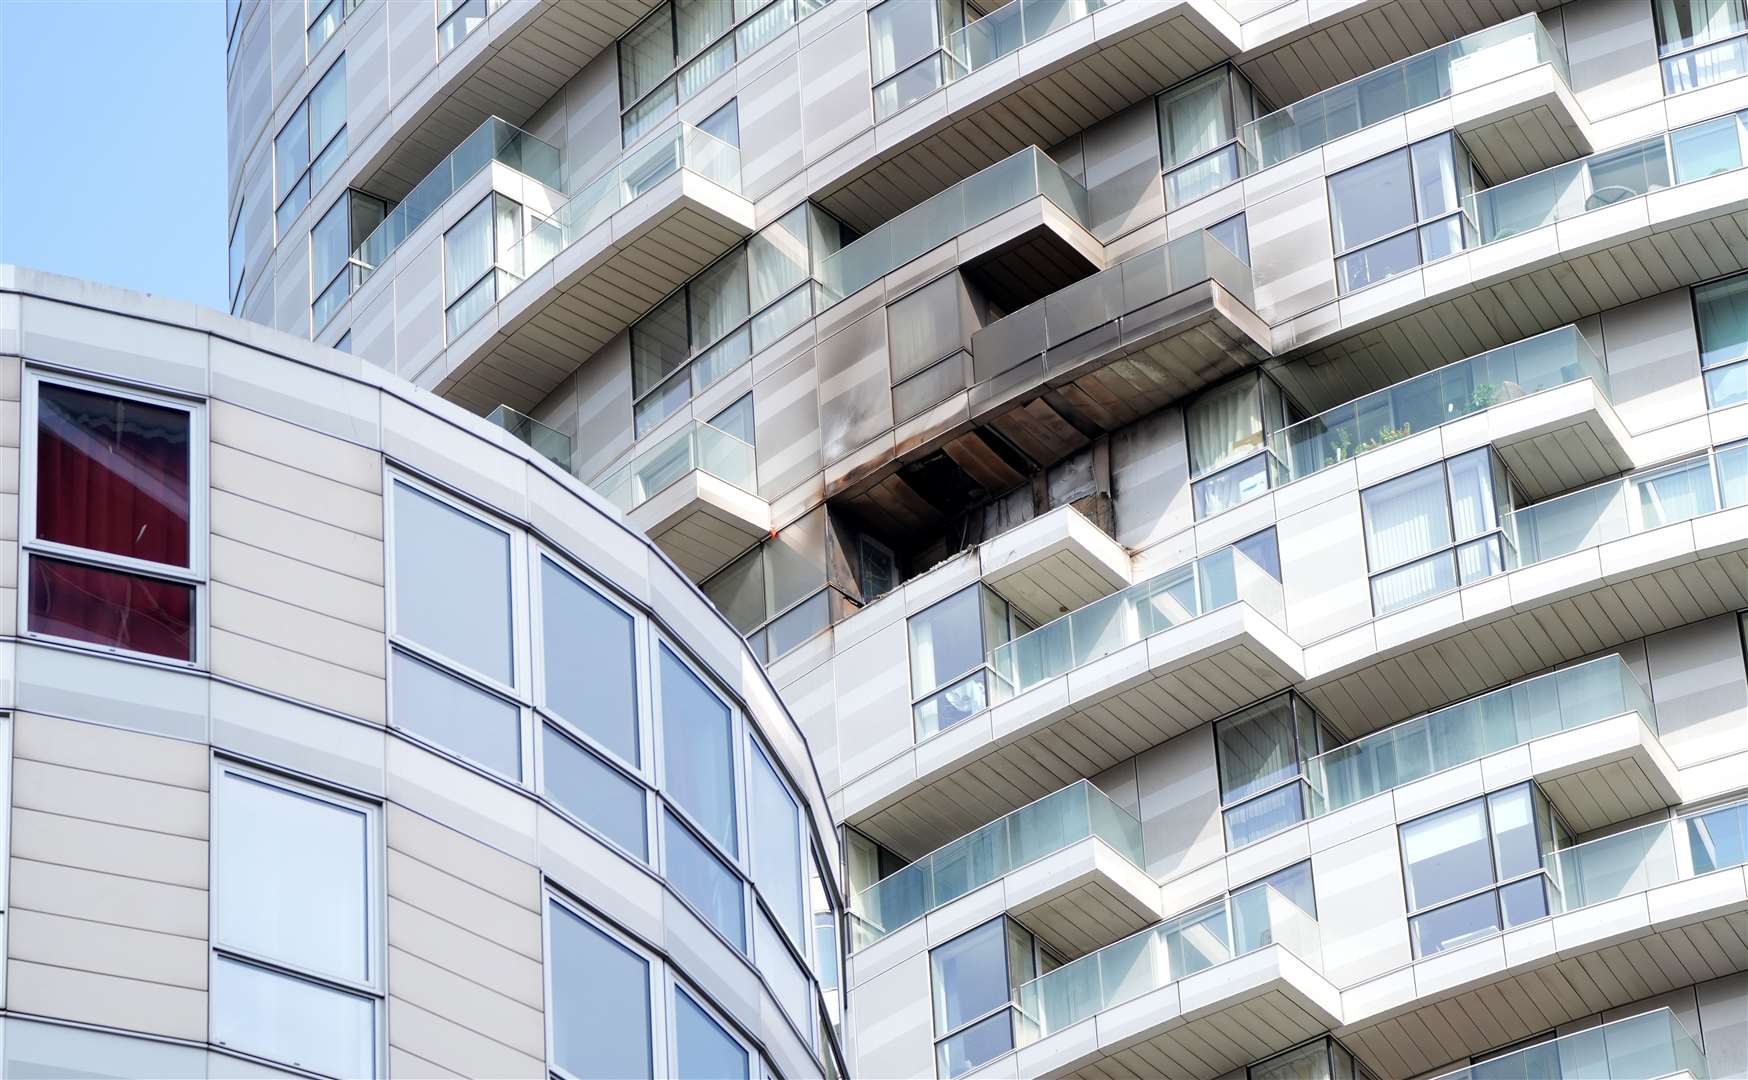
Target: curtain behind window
[(1192, 119), (646, 55), (777, 257), (1223, 425), (1406, 517), (467, 250), (112, 475)]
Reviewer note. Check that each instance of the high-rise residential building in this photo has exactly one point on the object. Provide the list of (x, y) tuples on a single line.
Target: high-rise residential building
[(1231, 515)]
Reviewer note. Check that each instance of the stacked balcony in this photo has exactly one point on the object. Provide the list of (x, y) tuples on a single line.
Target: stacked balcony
[(694, 494)]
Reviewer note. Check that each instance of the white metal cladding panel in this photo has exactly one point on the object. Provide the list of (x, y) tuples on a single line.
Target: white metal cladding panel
[(1700, 689), (109, 876), (1179, 793), (1323, 569), (1123, 183), (770, 128), (1608, 52), (1653, 361)]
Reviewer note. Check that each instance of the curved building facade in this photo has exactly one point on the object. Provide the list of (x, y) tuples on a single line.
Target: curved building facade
[(347, 736)]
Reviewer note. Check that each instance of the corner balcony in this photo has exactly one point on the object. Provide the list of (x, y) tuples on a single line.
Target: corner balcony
[(602, 259), (522, 56), (693, 493), (1086, 691), (1587, 734), (1658, 549), (1067, 866), (1193, 998), (1638, 913), (1555, 247), (554, 446), (1055, 563), (1649, 1046)]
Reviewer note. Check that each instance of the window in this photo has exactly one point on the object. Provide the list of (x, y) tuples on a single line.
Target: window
[(297, 937), (599, 998), (1234, 236), (950, 643), (237, 256), (1721, 311), (744, 302), (455, 20), (1395, 212), (1229, 429), (325, 17), (1261, 751), (975, 976), (342, 229), (708, 883), (775, 832), (1437, 528), (698, 751), (453, 672), (1199, 125), (907, 42), (589, 654), (310, 147), (1476, 868), (115, 535), (1321, 1059), (479, 253), (1701, 42), (703, 1048), (593, 791), (778, 594)]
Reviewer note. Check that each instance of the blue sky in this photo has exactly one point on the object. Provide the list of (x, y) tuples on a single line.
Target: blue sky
[(112, 142)]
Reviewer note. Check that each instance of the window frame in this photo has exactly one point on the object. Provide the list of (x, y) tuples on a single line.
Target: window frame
[(397, 640), (1420, 223), (737, 725), (983, 669), (1324, 732), (237, 259), (1670, 56), (1497, 532), (658, 1012), (1038, 952), (1735, 363), (375, 989), (282, 225), (194, 575)]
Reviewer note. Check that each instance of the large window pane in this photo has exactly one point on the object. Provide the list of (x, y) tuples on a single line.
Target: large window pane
[(1446, 854), (900, 33), (795, 561), (1224, 424), (291, 153), (1406, 517), (595, 792), (659, 344), (1515, 848), (718, 298), (112, 474), (600, 1003), (1371, 200), (328, 106), (706, 881), (1193, 118), (293, 883), (1256, 748), (703, 1050), (738, 591), (946, 640), (698, 751), (329, 244), (983, 1041), (970, 975), (292, 1020), (646, 55), (1722, 309), (590, 660), (457, 715), (777, 259), (462, 616), (776, 839), (1685, 23), (467, 250), (107, 607), (1455, 924)]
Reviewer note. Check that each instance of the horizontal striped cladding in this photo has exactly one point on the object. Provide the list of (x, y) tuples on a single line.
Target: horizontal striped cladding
[(10, 375), (108, 916), (464, 976), (297, 562)]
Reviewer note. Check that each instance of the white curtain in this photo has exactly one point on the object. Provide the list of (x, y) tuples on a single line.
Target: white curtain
[(1406, 518), (467, 250), (718, 299), (1472, 506), (1193, 119), (646, 55), (1224, 425)]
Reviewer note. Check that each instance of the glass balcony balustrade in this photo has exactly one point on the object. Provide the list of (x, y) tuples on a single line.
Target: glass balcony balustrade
[(697, 446), (1578, 187), (1643, 1047), (1056, 821), (1556, 358), (1633, 504), (680, 147), (553, 445), (1650, 856), (972, 201), (1138, 612), (494, 140), (1482, 57), (1009, 27), (1195, 941), (1468, 731)]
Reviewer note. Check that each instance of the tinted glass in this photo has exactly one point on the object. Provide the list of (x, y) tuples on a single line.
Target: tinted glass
[(600, 1003), (970, 974), (292, 1020), (112, 474), (703, 1051), (702, 878), (1446, 854), (946, 640), (776, 840), (462, 616), (590, 664), (595, 792), (698, 751), (457, 715), (106, 607), (1371, 200)]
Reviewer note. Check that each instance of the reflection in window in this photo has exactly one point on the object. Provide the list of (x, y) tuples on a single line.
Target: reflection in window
[(1476, 868), (907, 45), (974, 975), (593, 791), (703, 1048), (342, 229), (599, 1000), (589, 661), (774, 826), (113, 497), (295, 885), (463, 618), (1721, 309), (1261, 751), (1228, 429), (778, 594), (1437, 528), (950, 642), (310, 147), (698, 751), (1395, 212), (479, 268), (1199, 122), (1701, 42)]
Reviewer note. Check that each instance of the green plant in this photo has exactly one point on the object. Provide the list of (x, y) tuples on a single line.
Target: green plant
[(1391, 434), (1484, 396)]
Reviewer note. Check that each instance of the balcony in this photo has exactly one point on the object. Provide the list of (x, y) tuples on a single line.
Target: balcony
[(1588, 734), (1199, 995), (1117, 345), (1626, 559), (1056, 562), (694, 494), (1644, 1047), (554, 446), (1502, 82), (1072, 868), (523, 55), (1636, 914), (1089, 690), (624, 242)]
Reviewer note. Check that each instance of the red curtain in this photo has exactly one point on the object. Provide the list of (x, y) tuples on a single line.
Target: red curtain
[(112, 474), (108, 607)]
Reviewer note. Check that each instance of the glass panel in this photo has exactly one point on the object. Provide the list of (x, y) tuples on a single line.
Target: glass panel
[(983, 1041), (292, 1020), (909, 87), (1524, 901), (777, 256), (1406, 518), (798, 624), (775, 830), (1706, 149), (1515, 848), (1193, 118), (457, 715), (1446, 854), (901, 34), (1256, 748), (1382, 260), (1371, 200), (1264, 816), (970, 975), (291, 155), (646, 54), (595, 792), (600, 1023), (946, 640), (738, 591), (958, 702), (590, 665), (465, 617), (702, 1049), (718, 298), (1718, 838), (292, 879), (328, 107), (107, 607), (1682, 24), (706, 881), (112, 474), (329, 245), (698, 756), (1224, 424), (463, 22), (1722, 311), (1455, 924)]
